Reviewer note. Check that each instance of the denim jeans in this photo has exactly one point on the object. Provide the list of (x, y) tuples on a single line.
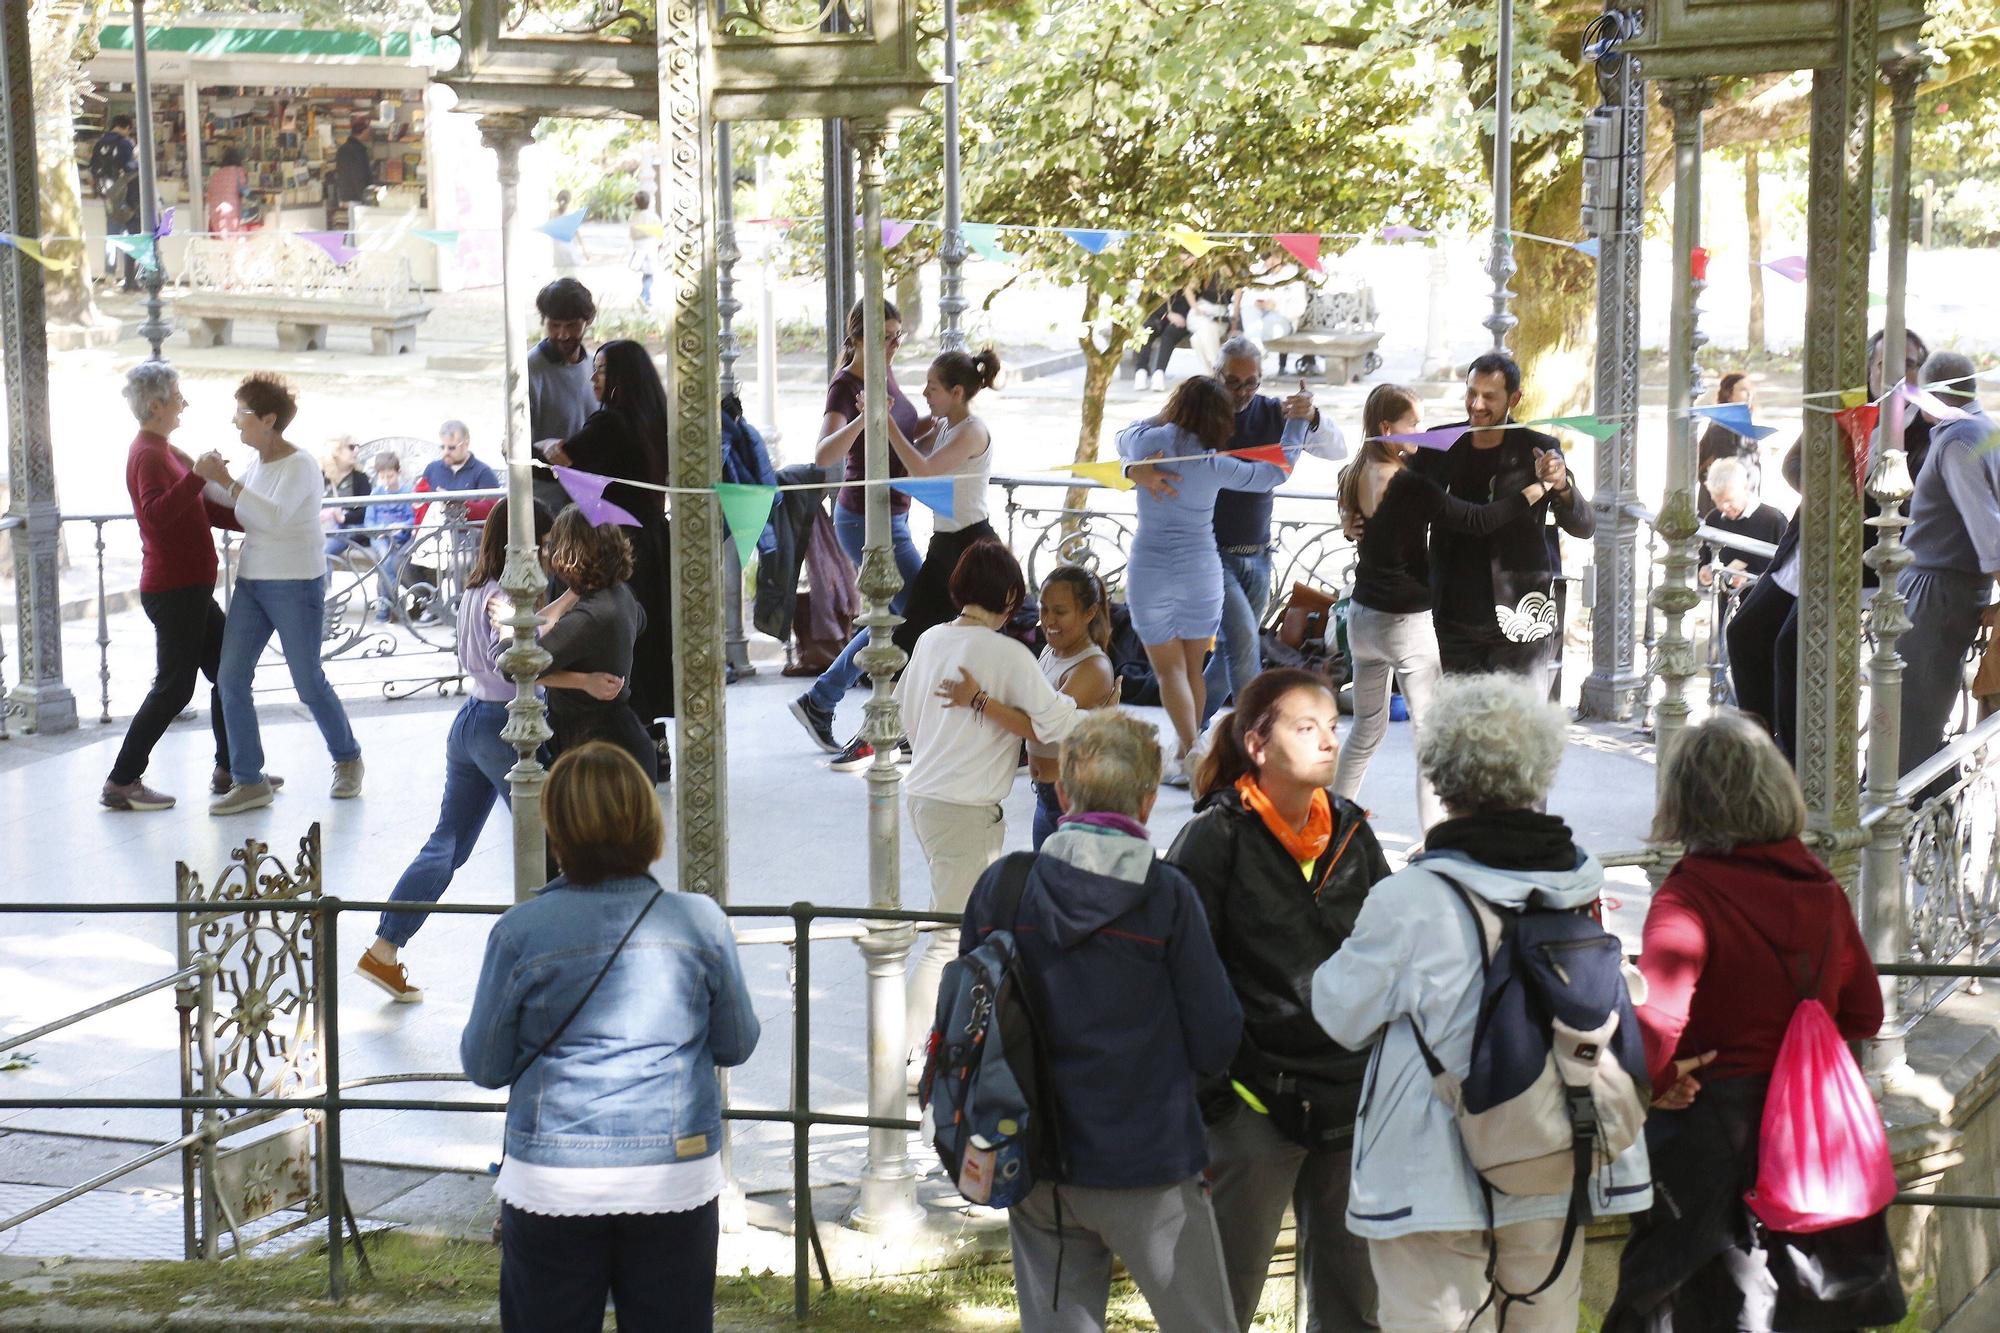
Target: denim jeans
[(842, 676), (1239, 649), (1048, 812), (391, 549), (292, 608), (476, 761)]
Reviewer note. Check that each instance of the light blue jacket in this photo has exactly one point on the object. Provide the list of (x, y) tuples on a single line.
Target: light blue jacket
[(1413, 952), (631, 1081), (1187, 521)]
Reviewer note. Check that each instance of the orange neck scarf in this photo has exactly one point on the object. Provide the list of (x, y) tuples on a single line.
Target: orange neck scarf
[(1302, 845)]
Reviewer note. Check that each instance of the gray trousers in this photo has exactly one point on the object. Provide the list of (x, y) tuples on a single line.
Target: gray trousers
[(1255, 1172), (1165, 1235), (1385, 645), (1944, 609)]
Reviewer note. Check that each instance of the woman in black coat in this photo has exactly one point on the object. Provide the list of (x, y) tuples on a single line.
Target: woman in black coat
[(626, 438)]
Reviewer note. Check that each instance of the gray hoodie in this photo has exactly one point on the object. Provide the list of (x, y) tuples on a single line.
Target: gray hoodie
[(1414, 953)]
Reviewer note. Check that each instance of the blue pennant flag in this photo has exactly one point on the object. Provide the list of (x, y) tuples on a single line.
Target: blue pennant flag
[(935, 493), (563, 228), (1589, 247), (1094, 240), (1736, 417)]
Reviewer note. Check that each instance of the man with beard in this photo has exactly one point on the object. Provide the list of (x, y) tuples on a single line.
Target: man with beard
[(1494, 599), (560, 398)]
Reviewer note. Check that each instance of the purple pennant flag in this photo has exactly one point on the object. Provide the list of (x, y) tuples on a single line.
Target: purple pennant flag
[(333, 242), (1444, 437), (587, 489), (1933, 406), (1401, 233), (165, 227), (1791, 266), (893, 232)]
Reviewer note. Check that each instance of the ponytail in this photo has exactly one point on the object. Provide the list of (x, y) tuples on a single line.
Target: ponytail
[(1256, 710), (970, 372)]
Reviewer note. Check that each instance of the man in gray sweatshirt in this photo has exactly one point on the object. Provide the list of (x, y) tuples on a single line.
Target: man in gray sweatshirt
[(560, 398), (1954, 537)]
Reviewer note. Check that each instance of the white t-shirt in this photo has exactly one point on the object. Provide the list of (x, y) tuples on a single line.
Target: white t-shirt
[(960, 756), (279, 510), (594, 1191)]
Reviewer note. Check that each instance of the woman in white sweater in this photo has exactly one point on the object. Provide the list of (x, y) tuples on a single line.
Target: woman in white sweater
[(280, 588), (970, 696)]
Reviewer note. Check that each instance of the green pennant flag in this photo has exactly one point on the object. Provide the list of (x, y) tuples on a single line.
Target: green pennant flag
[(139, 247), (1589, 425), (746, 509), (983, 239)]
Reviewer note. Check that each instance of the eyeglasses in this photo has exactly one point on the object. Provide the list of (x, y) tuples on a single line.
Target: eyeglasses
[(1234, 385)]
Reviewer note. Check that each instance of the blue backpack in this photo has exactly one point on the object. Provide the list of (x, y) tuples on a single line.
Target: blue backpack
[(1558, 1084), (987, 1101)]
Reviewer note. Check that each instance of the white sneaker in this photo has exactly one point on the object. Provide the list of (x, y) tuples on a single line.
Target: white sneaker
[(1138, 380), (1175, 774), (1159, 379)]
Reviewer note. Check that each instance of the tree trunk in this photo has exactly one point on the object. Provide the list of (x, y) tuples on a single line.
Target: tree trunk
[(1753, 214), (1100, 368), (56, 26), (1557, 307)]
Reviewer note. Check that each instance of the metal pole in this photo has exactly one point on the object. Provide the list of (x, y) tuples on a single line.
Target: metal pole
[(326, 955), (951, 257), (1437, 347), (153, 275), (888, 1189), (197, 198), (522, 577), (45, 703), (1500, 265), (767, 349), (727, 307), (1685, 99)]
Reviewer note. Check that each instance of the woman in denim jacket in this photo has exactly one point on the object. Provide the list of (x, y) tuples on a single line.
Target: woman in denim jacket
[(606, 1004)]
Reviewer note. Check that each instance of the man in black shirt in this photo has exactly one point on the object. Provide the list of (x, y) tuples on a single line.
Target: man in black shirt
[(114, 172), (1494, 599), (353, 173), (1729, 485)]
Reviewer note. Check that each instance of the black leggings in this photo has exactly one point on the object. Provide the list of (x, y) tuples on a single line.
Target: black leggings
[(187, 630), (1763, 641), (929, 601)]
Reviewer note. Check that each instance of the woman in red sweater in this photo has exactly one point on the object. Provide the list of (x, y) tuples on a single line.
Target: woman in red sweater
[(1746, 925)]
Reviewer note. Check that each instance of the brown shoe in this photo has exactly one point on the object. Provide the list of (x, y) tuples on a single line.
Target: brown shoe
[(347, 779), (134, 796), (219, 782), (391, 977)]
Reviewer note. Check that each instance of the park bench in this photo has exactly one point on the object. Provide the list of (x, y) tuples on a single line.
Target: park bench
[(1338, 329), (279, 279)]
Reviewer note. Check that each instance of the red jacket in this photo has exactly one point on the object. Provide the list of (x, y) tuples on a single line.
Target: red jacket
[(1714, 978), (174, 517)]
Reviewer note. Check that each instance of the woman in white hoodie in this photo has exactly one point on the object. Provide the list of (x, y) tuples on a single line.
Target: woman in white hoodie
[(1414, 962)]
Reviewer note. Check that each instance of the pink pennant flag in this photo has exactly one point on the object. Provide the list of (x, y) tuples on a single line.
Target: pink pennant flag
[(333, 242), (1302, 246), (1935, 407), (1444, 437), (1791, 266), (893, 232), (587, 489)]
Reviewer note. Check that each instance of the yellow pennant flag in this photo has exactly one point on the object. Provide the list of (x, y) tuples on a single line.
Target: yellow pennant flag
[(1191, 240), (649, 229), (32, 248), (1110, 474), (1853, 397)]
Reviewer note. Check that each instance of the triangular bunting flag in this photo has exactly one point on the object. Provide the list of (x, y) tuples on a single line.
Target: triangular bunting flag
[(1400, 233), (1444, 437), (652, 229), (1857, 424), (1736, 417), (1589, 425), (893, 232), (1092, 239), (983, 239), (587, 489), (333, 242), (1853, 397), (1302, 246), (1936, 408), (139, 247), (1191, 240), (746, 509), (1698, 264), (1265, 453), (936, 493), (444, 240), (1876, 299), (32, 248), (1791, 266), (165, 227), (1591, 247), (1110, 474), (563, 228)]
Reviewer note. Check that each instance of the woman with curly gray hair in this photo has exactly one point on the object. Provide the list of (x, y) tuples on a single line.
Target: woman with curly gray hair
[(1439, 1245)]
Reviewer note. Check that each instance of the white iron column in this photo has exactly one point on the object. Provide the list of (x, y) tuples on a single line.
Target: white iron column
[(951, 256), (1685, 99), (1500, 264), (888, 1187), (44, 702), (522, 577)]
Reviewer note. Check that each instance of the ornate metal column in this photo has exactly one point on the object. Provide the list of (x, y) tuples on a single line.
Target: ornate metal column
[(1685, 100), (1843, 111), (153, 275), (1903, 75), (951, 257), (1500, 264), (735, 645), (695, 538), (1618, 684), (522, 576), (888, 1187), (42, 699)]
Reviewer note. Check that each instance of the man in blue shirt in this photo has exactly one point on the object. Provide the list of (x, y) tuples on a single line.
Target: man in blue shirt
[(454, 470)]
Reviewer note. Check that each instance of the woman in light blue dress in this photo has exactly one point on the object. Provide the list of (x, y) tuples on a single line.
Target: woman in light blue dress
[(1173, 577)]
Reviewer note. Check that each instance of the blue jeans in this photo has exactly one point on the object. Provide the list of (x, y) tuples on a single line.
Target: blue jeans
[(292, 608), (834, 682), (1048, 812), (476, 761), (391, 549), (1238, 655)]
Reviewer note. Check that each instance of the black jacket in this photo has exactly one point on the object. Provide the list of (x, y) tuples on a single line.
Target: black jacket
[(1273, 929), (1523, 555)]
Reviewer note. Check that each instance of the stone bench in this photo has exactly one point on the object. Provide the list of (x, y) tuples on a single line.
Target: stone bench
[(1346, 357), (210, 319)]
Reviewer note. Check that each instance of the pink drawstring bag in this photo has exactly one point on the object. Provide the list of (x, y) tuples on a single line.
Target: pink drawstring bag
[(1823, 1157)]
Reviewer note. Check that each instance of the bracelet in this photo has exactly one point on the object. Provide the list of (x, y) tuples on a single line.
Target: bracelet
[(979, 702), (235, 489)]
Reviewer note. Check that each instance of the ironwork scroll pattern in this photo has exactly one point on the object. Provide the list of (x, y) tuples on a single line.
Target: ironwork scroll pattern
[(780, 18), (266, 1021), (1952, 885), (533, 18), (277, 264)]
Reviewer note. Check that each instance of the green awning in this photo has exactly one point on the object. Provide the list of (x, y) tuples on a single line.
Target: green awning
[(220, 43)]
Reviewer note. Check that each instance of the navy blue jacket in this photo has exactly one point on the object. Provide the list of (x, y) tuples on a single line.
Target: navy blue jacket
[(1134, 1000)]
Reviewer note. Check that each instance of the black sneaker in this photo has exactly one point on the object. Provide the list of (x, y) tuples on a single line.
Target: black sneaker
[(817, 721), (858, 754)]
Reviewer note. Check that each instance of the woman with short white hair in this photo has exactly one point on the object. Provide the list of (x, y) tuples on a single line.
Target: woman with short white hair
[(1441, 1247)]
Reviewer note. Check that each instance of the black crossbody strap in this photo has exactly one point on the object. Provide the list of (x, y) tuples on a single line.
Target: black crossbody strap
[(596, 981)]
